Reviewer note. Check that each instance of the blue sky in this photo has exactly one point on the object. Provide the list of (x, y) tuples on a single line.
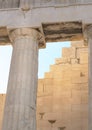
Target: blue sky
[(46, 58)]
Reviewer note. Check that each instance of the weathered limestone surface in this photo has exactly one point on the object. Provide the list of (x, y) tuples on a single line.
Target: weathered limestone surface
[(20, 106), (2, 102), (89, 37), (63, 93), (67, 23)]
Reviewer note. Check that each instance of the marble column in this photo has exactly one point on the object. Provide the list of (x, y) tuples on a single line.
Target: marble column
[(20, 106), (89, 38)]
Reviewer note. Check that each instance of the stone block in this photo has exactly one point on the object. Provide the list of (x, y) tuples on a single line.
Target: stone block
[(2, 102), (47, 103), (77, 44), (69, 52), (48, 75), (63, 60), (76, 100), (76, 86), (61, 108), (53, 115), (83, 50), (84, 99), (83, 108), (84, 58), (58, 74), (84, 86), (79, 77), (67, 75), (74, 61), (61, 82), (58, 92), (40, 87), (43, 123), (75, 116)]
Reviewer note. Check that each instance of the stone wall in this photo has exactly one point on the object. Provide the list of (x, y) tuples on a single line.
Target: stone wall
[(63, 93), (2, 101)]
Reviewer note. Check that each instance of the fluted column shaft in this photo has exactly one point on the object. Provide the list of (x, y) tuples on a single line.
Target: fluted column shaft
[(20, 106), (89, 37)]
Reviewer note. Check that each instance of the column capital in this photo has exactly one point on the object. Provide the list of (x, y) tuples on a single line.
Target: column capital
[(15, 34)]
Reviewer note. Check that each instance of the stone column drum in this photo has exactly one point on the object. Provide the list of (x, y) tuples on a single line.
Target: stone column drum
[(20, 106), (89, 37)]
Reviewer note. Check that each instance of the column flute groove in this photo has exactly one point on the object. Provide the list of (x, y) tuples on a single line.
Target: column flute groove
[(20, 106), (88, 33)]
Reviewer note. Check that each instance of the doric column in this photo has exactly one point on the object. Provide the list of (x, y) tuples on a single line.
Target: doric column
[(89, 39), (20, 106)]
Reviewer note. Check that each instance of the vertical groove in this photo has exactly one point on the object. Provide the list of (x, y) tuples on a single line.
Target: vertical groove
[(22, 86)]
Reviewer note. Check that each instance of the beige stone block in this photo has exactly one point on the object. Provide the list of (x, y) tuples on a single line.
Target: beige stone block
[(48, 81), (85, 127), (47, 103), (63, 108), (2, 102), (84, 99), (76, 127), (76, 97), (77, 123), (76, 86), (84, 86), (79, 67), (66, 87), (53, 116), (76, 100), (60, 67), (83, 50), (75, 61), (43, 128), (80, 107), (75, 73), (71, 127), (84, 58), (84, 115), (84, 67), (43, 123), (63, 60), (48, 75), (63, 123), (77, 44), (40, 88), (79, 77), (48, 90), (58, 92), (39, 102), (69, 52), (80, 80), (85, 124), (61, 101), (53, 67), (58, 74), (61, 82), (67, 76), (76, 93), (75, 115), (75, 67)]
